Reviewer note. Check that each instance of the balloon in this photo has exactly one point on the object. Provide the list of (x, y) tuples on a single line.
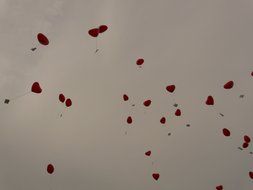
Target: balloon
[(220, 187), (148, 153), (94, 32), (129, 120), (50, 168), (147, 103), (36, 88), (163, 120), (178, 112), (252, 73), (251, 175), (171, 88), (245, 145), (42, 39), (229, 85), (61, 98), (209, 100), (246, 138), (226, 132), (156, 176), (102, 28), (125, 97), (68, 102), (139, 61)]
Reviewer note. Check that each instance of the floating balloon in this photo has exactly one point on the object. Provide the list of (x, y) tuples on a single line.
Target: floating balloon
[(36, 88), (245, 145), (209, 100), (139, 61), (42, 39), (226, 132), (61, 98), (246, 138), (129, 120), (178, 112), (156, 176), (125, 97), (147, 103), (50, 168), (163, 120), (68, 102), (220, 187), (148, 153), (251, 175), (171, 88), (229, 85), (94, 32), (102, 28)]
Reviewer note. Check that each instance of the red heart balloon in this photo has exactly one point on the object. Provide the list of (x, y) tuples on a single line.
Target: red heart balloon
[(245, 145), (178, 112), (148, 153), (94, 32), (251, 175), (102, 28), (156, 176), (139, 61), (61, 98), (68, 102), (125, 97), (50, 168), (129, 120), (226, 132), (229, 85), (163, 120), (246, 138), (147, 103), (171, 88), (42, 39), (209, 100), (220, 187), (36, 88)]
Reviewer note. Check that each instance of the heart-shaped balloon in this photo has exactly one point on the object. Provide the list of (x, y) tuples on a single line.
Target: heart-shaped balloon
[(245, 145), (229, 85), (140, 61), (36, 88), (125, 97), (102, 28), (68, 102), (251, 175), (129, 120), (147, 103), (226, 132), (50, 168), (61, 98), (42, 39), (94, 32), (246, 138), (209, 100), (156, 176), (178, 112), (171, 88), (148, 153), (163, 120), (220, 187)]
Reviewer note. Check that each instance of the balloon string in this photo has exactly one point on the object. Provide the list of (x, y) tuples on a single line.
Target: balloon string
[(20, 96)]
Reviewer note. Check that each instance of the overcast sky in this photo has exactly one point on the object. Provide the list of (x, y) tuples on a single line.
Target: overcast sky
[(198, 45)]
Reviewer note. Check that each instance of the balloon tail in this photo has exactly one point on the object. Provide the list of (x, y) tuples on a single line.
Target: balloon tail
[(34, 48)]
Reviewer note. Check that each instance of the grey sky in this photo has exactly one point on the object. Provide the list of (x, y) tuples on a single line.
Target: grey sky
[(196, 44)]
